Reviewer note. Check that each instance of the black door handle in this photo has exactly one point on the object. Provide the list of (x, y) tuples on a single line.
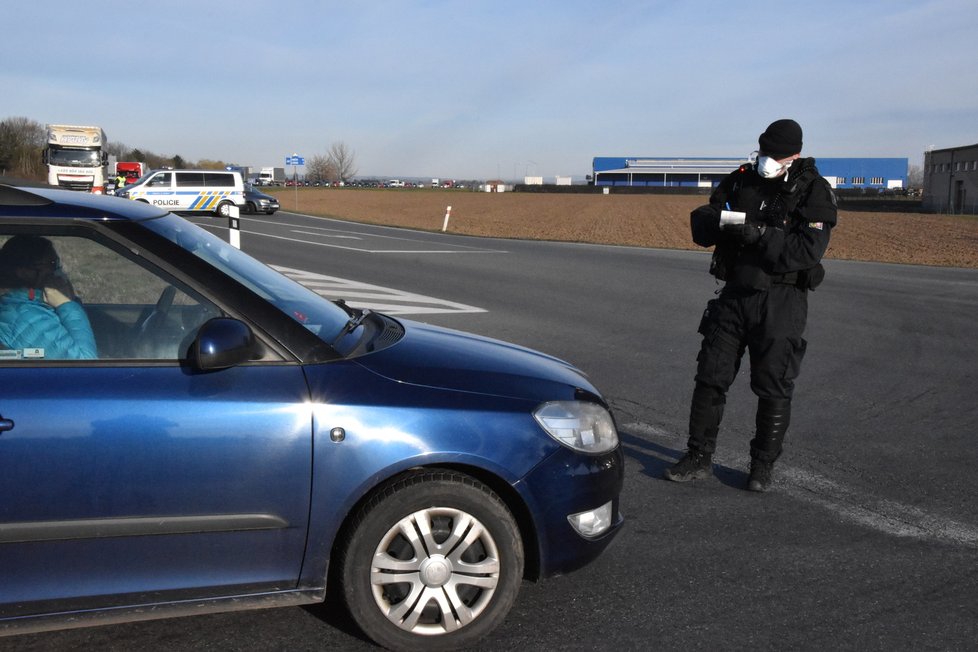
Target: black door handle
[(6, 424)]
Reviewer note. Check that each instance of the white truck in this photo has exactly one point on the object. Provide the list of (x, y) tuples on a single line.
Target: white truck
[(76, 158), (271, 177)]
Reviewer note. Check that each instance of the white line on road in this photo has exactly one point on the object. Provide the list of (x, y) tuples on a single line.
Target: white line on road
[(375, 297), (887, 516), (327, 235), (383, 251)]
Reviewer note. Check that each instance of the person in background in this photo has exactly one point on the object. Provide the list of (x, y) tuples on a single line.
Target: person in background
[(770, 221), (40, 316)]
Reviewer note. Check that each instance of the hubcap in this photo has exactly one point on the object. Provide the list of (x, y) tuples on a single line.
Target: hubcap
[(435, 571)]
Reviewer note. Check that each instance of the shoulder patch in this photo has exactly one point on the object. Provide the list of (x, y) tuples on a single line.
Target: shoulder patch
[(816, 225)]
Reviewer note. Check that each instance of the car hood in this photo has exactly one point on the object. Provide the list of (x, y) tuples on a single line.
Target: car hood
[(438, 357)]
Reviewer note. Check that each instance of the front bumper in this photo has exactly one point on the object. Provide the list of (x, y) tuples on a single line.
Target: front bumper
[(569, 483)]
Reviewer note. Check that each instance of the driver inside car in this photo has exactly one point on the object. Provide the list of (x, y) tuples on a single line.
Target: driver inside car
[(40, 316)]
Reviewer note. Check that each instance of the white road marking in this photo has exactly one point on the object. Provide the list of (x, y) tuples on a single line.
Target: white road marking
[(326, 232), (887, 516), (327, 235), (456, 250), (375, 297)]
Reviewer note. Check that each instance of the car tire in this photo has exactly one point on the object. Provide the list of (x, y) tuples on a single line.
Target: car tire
[(223, 209), (432, 561), (251, 209)]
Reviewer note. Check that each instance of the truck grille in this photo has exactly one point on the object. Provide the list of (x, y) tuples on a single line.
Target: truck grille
[(83, 186)]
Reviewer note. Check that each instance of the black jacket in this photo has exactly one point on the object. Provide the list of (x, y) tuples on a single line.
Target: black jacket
[(798, 212)]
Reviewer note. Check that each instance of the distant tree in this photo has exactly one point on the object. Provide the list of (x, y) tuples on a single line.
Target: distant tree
[(343, 160), (136, 155), (21, 143), (118, 150), (320, 168), (915, 176), (178, 162), (207, 164)]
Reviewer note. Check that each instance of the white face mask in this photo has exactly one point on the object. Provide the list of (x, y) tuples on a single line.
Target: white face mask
[(769, 168)]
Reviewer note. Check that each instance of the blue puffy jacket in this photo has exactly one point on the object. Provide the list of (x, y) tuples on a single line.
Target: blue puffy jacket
[(26, 322)]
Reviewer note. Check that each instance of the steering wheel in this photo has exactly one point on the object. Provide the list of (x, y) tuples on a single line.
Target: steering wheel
[(157, 316)]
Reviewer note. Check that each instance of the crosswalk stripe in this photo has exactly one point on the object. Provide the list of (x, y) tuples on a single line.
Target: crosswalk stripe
[(374, 297)]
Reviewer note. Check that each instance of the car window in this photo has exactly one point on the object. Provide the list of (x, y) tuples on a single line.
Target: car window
[(190, 179), (321, 317), (68, 297), (219, 180), (162, 179)]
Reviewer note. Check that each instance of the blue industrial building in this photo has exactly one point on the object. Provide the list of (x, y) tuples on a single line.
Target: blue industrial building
[(842, 173)]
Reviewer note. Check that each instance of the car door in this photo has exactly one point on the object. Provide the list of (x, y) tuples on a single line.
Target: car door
[(129, 477)]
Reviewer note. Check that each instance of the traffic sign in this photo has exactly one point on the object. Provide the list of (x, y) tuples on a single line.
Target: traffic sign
[(295, 160)]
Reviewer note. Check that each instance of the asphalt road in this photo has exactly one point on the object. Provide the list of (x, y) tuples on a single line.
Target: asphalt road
[(868, 540)]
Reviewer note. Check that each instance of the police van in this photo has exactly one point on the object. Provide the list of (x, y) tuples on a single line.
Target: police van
[(206, 191)]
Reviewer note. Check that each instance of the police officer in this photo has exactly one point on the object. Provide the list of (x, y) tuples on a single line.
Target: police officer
[(770, 221)]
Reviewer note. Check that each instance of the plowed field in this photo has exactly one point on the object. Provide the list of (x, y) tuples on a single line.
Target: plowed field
[(635, 220)]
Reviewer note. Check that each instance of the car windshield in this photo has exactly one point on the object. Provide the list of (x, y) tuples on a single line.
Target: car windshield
[(322, 317)]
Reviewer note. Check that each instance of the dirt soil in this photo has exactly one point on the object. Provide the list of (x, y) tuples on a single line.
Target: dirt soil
[(634, 220)]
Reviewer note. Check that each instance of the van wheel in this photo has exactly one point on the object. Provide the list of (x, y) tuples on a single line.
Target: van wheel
[(223, 209)]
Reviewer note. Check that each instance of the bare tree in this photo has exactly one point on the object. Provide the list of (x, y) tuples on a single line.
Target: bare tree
[(915, 176), (116, 149), (320, 168), (21, 142), (343, 160)]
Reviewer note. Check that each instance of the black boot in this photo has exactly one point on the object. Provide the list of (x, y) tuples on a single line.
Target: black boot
[(705, 413), (760, 475), (692, 466), (773, 418)]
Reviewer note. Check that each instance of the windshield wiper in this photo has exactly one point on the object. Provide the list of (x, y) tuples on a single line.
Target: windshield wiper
[(347, 309), (351, 325)]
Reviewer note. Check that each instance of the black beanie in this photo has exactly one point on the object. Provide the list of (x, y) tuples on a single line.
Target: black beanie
[(781, 139)]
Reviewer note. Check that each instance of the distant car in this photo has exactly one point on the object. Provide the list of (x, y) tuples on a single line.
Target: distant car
[(225, 438), (258, 202)]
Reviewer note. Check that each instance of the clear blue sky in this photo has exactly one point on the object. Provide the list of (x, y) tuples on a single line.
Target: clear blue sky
[(476, 89)]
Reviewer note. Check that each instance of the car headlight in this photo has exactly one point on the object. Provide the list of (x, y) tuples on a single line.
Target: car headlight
[(583, 426)]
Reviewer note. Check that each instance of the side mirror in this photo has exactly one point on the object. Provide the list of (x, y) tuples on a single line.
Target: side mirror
[(222, 343)]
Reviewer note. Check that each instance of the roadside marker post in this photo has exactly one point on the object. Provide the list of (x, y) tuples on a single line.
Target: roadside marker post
[(448, 213), (234, 226)]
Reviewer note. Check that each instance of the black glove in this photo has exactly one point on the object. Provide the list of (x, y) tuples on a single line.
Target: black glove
[(745, 234), (704, 222)]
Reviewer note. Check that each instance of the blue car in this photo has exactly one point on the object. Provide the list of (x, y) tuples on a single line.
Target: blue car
[(184, 430)]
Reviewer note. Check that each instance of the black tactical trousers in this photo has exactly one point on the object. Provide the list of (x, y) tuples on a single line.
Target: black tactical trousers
[(769, 325)]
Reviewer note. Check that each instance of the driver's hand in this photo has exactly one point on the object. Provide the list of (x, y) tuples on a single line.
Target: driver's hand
[(55, 297)]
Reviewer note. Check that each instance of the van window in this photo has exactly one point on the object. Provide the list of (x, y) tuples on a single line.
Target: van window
[(162, 179), (190, 179), (221, 180)]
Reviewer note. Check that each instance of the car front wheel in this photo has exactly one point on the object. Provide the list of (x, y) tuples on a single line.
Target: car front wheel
[(435, 561)]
